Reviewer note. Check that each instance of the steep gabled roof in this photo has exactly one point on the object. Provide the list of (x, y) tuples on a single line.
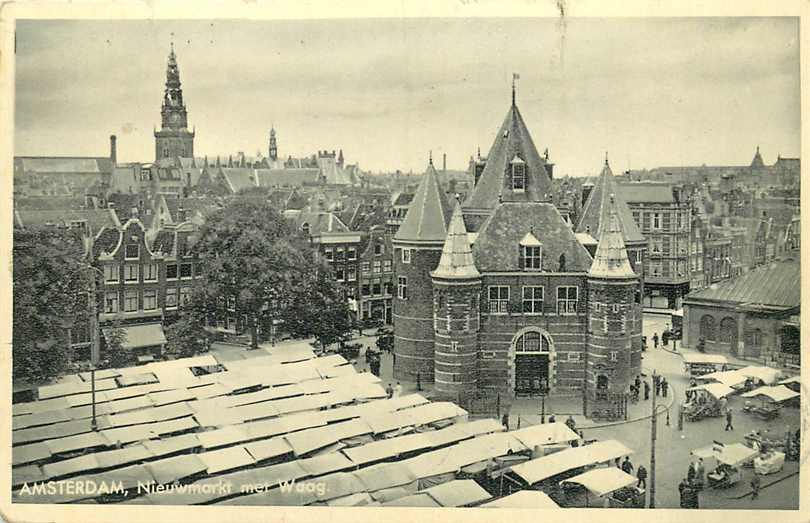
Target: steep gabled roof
[(457, 260), (777, 284), (497, 245), (594, 213), (428, 212), (611, 255), (513, 139)]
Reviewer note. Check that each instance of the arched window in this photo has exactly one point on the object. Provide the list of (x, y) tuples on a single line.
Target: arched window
[(601, 382), (728, 330), (532, 342), (707, 328)]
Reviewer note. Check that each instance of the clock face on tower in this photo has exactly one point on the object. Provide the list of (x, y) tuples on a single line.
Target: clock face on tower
[(174, 118)]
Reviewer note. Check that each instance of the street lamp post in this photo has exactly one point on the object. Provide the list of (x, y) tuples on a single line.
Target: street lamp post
[(94, 347), (654, 426), (543, 391)]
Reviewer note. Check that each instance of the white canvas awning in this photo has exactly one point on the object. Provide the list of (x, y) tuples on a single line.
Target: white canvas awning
[(718, 390), (601, 481), (767, 375), (778, 393), (139, 336), (568, 459), (523, 499), (697, 358), (545, 434), (458, 493), (730, 378)]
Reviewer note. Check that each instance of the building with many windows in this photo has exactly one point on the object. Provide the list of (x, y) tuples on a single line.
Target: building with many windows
[(498, 297), (663, 213)]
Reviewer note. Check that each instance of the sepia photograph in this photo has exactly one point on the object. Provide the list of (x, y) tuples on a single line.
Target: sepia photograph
[(527, 262)]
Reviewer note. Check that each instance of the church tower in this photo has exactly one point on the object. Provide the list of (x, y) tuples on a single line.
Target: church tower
[(418, 246), (173, 139), (456, 294), (614, 321), (273, 148)]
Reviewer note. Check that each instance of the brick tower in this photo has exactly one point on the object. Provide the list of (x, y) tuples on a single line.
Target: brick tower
[(173, 139), (456, 292), (614, 321), (417, 248)]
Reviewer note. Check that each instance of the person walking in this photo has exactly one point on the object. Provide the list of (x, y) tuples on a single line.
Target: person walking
[(641, 474), (646, 390), (729, 418), (700, 474), (571, 423), (690, 473), (389, 390), (552, 419), (655, 340), (638, 382), (756, 483), (664, 386), (627, 466), (505, 421), (683, 488), (398, 390)]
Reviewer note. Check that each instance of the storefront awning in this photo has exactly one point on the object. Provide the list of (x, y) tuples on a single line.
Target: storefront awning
[(138, 336)]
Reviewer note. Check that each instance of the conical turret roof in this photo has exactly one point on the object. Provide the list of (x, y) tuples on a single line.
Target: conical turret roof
[(428, 212), (595, 211), (457, 259), (512, 143), (611, 255)]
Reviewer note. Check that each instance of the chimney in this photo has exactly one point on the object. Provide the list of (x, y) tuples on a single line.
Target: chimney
[(586, 191), (113, 150), (444, 162)]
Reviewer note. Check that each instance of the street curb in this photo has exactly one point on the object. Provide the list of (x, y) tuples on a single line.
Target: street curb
[(774, 482)]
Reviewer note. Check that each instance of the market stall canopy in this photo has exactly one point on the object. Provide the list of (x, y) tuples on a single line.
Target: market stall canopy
[(545, 434), (718, 390), (385, 476), (730, 378), (768, 375), (226, 459), (458, 493), (696, 357), (792, 379), (551, 465), (523, 499), (778, 393), (416, 500), (601, 481), (733, 454)]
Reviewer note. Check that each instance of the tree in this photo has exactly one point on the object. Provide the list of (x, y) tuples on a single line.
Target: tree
[(187, 336), (50, 284), (319, 308), (114, 355), (246, 256)]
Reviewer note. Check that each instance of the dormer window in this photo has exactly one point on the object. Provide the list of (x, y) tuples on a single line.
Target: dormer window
[(531, 252), (518, 167)]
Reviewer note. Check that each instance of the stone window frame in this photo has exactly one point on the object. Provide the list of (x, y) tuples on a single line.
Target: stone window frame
[(406, 255), (532, 257), (107, 308), (570, 306), (402, 288), (501, 304), (533, 299)]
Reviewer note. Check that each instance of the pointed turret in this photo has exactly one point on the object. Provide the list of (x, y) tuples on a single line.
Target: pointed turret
[(273, 146), (173, 139), (507, 180), (757, 162), (594, 212), (428, 213), (611, 259), (457, 260)]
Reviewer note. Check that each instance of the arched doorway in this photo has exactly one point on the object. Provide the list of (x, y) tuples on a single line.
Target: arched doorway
[(707, 327), (728, 334), (533, 362)]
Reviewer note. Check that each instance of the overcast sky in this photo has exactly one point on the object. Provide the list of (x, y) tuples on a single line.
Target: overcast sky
[(652, 92)]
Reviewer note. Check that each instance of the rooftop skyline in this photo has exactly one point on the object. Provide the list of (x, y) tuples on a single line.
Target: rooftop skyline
[(652, 92)]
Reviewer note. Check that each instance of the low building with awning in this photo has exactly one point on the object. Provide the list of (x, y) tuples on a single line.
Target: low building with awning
[(144, 341)]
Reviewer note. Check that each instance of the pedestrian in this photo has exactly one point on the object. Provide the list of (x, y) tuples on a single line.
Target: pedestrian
[(755, 485), (571, 423), (664, 386), (657, 386), (655, 340), (690, 473), (398, 390), (646, 390), (552, 419), (505, 421), (638, 382), (389, 390), (683, 487), (633, 392), (729, 426), (642, 477), (700, 474), (627, 466)]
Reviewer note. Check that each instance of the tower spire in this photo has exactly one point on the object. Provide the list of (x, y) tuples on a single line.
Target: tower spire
[(611, 260), (515, 77)]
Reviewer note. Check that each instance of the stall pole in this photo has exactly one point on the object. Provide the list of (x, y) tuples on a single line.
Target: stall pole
[(652, 449)]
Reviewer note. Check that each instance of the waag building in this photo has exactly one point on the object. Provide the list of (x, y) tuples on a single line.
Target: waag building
[(496, 297)]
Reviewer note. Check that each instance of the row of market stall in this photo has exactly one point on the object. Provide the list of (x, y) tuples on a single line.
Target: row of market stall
[(765, 388), (281, 428)]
